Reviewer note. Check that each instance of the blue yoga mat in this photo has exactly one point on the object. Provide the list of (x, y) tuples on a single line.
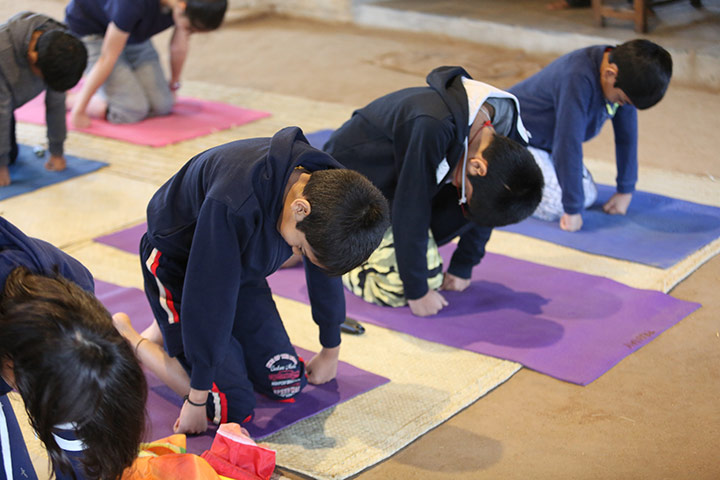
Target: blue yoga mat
[(28, 172), (657, 230), (317, 139)]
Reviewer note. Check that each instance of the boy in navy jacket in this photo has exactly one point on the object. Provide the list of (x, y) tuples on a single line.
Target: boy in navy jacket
[(228, 219), (567, 103), (434, 152)]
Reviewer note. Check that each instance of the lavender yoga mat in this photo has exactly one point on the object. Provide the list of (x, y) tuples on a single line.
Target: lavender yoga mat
[(190, 118), (270, 416), (568, 325), (127, 239), (657, 230), (28, 173)]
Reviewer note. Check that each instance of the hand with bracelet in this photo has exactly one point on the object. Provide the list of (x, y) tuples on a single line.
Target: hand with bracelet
[(193, 416)]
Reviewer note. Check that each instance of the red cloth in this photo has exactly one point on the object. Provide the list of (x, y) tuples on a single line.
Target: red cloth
[(234, 454)]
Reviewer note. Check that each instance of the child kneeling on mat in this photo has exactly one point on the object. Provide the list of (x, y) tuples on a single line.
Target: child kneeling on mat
[(227, 220)]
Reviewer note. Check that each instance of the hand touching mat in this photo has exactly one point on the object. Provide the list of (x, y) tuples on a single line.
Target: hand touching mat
[(270, 416)]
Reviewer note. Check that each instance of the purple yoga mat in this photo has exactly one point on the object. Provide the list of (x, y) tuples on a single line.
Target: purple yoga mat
[(657, 230), (270, 416), (127, 240), (568, 325)]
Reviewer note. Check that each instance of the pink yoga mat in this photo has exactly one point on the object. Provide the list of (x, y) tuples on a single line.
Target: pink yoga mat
[(190, 118), (568, 325), (270, 416)]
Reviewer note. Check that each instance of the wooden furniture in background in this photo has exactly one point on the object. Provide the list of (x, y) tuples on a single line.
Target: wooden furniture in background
[(638, 13)]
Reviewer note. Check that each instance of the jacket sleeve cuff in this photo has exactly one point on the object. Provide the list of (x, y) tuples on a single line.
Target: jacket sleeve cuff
[(330, 336), (460, 270), (572, 210), (201, 377), (626, 188)]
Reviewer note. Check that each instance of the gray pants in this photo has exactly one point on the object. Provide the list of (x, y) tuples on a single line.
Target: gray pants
[(136, 88)]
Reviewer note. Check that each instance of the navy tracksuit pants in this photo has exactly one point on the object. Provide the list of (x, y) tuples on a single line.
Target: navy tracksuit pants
[(259, 357)]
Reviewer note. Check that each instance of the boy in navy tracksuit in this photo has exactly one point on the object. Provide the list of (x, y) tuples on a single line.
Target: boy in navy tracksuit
[(566, 104), (228, 219), (434, 152), (48, 312)]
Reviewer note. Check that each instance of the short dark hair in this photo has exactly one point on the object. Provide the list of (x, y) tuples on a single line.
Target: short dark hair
[(511, 189), (644, 71), (205, 15), (348, 218), (62, 58), (72, 366)]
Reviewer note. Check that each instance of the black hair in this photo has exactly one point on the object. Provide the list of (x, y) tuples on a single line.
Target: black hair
[(511, 189), (72, 366), (644, 71), (62, 58), (205, 15), (348, 218)]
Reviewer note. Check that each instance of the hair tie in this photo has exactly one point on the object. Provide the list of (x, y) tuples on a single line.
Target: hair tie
[(187, 399)]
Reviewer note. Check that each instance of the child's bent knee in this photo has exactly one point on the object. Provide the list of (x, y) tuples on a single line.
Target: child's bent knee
[(126, 115), (285, 377)]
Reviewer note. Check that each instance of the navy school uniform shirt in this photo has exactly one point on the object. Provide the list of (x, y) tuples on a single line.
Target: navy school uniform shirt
[(140, 18), (17, 249), (563, 105), (398, 141), (219, 215)]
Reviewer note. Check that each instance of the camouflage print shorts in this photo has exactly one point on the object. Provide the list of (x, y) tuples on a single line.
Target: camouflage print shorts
[(378, 281)]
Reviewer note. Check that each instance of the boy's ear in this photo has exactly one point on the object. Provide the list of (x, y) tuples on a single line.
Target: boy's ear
[(300, 208), (477, 166), (610, 73)]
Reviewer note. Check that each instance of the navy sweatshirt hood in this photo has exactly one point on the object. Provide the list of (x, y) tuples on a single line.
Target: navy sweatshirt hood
[(289, 149), (447, 82)]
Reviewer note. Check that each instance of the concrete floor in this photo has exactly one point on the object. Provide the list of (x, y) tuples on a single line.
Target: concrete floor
[(653, 416)]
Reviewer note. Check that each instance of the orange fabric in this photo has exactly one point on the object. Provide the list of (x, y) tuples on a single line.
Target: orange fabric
[(160, 460)]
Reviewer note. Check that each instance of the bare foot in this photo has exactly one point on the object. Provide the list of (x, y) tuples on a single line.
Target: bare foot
[(292, 261), (122, 324), (153, 334), (56, 163), (97, 107), (70, 98), (4, 176)]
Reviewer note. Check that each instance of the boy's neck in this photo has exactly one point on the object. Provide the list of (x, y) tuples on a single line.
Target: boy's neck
[(293, 189), (32, 54)]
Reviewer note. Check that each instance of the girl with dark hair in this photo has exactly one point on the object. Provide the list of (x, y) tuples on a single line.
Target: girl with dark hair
[(83, 389)]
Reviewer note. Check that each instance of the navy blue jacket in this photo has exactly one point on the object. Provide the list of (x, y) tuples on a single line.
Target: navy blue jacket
[(220, 214), (16, 250), (563, 106), (140, 18), (398, 141)]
